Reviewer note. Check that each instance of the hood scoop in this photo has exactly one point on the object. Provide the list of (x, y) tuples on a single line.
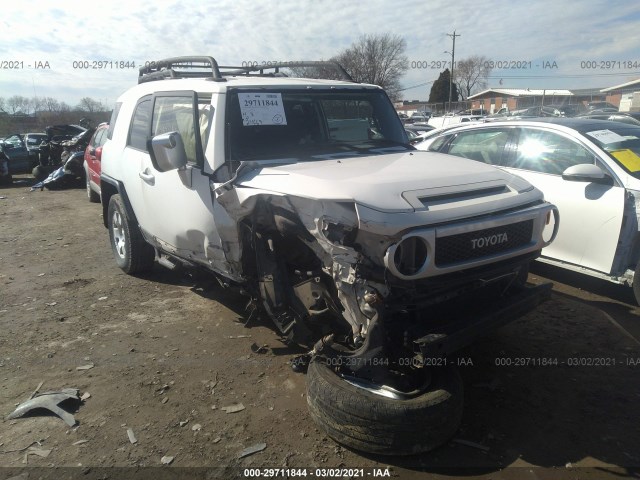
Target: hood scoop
[(457, 195)]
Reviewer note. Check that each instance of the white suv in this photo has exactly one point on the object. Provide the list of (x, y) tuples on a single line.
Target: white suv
[(306, 194)]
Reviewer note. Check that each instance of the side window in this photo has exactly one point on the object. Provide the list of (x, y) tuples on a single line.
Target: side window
[(140, 125), (114, 117), (205, 116), (97, 138), (102, 138), (175, 113), (548, 152), (438, 143), (486, 145)]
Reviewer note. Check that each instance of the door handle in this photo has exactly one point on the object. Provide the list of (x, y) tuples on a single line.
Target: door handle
[(147, 177)]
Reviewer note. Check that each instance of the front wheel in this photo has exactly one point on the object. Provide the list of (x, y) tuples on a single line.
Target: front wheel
[(383, 422), (132, 253)]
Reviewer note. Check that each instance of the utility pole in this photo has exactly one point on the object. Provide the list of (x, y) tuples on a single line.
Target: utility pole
[(453, 59)]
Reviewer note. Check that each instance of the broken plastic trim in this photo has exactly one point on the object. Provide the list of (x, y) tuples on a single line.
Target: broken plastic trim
[(49, 401)]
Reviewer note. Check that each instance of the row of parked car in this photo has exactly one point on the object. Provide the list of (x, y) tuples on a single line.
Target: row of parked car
[(21, 153), (41, 153)]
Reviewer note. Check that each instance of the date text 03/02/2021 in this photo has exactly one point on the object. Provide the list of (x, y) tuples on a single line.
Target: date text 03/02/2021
[(341, 472)]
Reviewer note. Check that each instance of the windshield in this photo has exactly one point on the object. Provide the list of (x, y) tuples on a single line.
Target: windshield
[(303, 125), (621, 142)]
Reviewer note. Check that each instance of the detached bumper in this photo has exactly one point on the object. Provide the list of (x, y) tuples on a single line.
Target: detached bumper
[(465, 325)]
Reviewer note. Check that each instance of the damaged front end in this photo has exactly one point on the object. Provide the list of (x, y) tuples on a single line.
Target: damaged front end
[(368, 301), (300, 261)]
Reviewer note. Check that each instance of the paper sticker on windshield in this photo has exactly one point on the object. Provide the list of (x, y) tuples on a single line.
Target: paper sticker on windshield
[(629, 159), (261, 109), (606, 136)]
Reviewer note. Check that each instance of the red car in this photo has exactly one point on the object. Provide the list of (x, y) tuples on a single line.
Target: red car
[(92, 158)]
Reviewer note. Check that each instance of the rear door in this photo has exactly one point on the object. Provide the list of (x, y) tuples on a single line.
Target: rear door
[(17, 153), (93, 153)]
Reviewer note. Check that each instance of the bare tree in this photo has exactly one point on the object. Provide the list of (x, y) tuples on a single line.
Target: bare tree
[(18, 104), (321, 71), (88, 104), (51, 104), (471, 74), (36, 103), (2, 104), (378, 59)]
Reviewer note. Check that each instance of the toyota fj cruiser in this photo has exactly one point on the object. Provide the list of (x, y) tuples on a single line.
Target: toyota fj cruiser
[(306, 195)]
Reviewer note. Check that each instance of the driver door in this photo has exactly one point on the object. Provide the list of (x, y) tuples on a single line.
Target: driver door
[(174, 208)]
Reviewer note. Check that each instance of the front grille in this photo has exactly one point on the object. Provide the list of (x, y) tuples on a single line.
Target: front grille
[(482, 243)]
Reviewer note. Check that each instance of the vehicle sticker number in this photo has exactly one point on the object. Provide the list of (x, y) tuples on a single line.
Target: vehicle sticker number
[(606, 136), (629, 159), (261, 109)]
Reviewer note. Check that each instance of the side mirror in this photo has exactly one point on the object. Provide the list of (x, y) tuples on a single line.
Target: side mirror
[(586, 172), (167, 152)]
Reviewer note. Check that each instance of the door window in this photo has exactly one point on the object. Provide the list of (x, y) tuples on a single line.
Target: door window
[(175, 114), (140, 125), (548, 152), (485, 145)]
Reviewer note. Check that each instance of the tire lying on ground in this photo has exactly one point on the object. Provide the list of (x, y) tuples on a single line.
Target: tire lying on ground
[(369, 422)]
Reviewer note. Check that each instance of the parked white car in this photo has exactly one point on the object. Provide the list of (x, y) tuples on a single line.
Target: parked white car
[(446, 120), (590, 169)]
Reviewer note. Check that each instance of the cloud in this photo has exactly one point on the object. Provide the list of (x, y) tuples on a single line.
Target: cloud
[(247, 30)]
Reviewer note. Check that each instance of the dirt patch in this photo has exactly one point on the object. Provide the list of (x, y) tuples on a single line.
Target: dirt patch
[(556, 391)]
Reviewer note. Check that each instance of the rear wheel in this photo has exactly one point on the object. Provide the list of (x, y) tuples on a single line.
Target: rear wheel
[(132, 253), (380, 420)]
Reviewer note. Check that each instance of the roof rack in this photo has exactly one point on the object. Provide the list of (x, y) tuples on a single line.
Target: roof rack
[(207, 67), (188, 67)]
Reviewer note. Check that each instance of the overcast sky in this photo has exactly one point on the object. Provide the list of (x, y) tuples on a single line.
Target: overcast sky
[(568, 37)]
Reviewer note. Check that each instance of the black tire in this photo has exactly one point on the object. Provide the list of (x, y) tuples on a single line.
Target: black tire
[(636, 284), (40, 172), (372, 423), (132, 253), (94, 197)]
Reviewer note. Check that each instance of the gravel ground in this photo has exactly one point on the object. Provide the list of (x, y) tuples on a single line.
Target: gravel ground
[(553, 395)]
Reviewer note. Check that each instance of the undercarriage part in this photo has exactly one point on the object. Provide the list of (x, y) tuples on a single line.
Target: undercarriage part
[(373, 361), (272, 286)]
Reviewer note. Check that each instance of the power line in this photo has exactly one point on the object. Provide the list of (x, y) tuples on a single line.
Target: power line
[(416, 86)]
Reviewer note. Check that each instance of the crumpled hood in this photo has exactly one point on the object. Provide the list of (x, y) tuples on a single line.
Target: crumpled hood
[(379, 181)]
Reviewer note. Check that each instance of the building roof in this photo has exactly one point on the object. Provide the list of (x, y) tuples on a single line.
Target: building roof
[(521, 92), (622, 86)]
